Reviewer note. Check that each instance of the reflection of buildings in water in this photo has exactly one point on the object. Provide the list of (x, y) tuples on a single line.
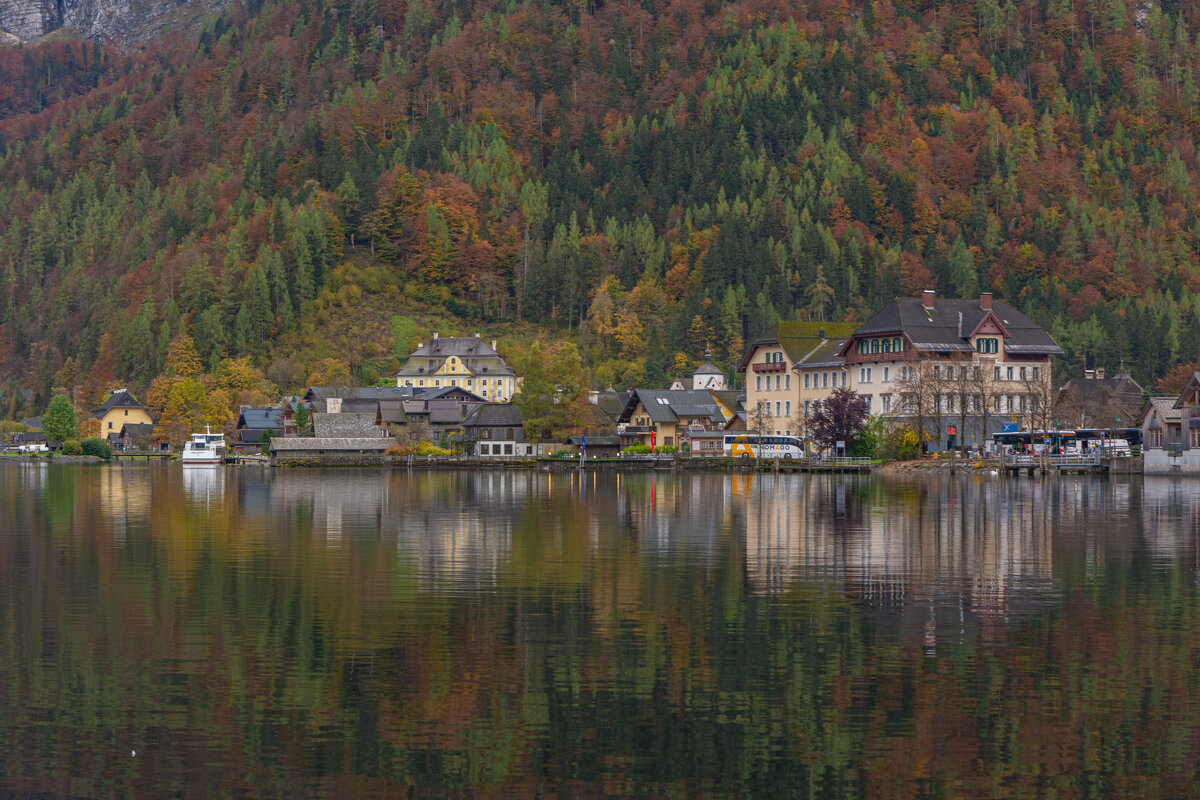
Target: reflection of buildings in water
[(125, 492), (893, 541), (1171, 517), (203, 484)]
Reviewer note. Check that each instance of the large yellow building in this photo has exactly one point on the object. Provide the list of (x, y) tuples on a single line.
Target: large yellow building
[(460, 361), (119, 410)]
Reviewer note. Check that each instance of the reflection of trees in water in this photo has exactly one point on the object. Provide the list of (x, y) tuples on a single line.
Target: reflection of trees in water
[(506, 633)]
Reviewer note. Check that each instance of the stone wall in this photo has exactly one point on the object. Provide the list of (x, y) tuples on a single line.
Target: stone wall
[(349, 426), (29, 19)]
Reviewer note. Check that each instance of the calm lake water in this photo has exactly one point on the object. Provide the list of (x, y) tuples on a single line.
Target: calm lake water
[(221, 632)]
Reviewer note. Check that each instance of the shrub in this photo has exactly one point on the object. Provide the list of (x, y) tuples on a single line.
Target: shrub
[(637, 449), (95, 446), (669, 448), (72, 448)]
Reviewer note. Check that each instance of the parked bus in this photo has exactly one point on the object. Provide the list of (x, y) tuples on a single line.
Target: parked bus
[(1120, 441), (750, 445)]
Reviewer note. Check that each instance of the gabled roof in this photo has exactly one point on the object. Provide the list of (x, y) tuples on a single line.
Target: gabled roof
[(1164, 408), (826, 354), (1122, 388), (1193, 385), (392, 411), (947, 327), (260, 419), (493, 415), (667, 406), (118, 399), (136, 429), (360, 405), (359, 392), (474, 354), (798, 338)]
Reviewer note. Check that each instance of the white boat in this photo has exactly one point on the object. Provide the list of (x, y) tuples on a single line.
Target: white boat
[(205, 448)]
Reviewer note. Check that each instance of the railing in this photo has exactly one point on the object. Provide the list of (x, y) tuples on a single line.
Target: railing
[(1064, 461)]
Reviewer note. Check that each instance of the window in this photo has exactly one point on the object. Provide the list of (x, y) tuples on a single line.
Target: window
[(1009, 400), (977, 373), (787, 384), (1023, 375), (758, 383), (996, 373), (777, 408), (898, 345), (824, 380), (862, 347), (508, 449), (874, 346), (806, 408), (483, 449), (110, 425), (886, 399), (843, 379), (777, 379), (1009, 374), (669, 440), (1155, 437), (806, 380), (787, 408), (885, 374), (996, 404), (1037, 373), (870, 401), (886, 346)]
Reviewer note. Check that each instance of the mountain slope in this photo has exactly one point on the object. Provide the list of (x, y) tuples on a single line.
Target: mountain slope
[(646, 177)]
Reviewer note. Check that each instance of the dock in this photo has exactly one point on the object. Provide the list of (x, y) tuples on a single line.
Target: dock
[(1080, 464)]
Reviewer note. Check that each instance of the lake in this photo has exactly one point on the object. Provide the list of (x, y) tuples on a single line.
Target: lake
[(211, 632)]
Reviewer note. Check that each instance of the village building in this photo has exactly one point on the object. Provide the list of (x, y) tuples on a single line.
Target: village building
[(496, 431), (945, 363), (118, 410), (787, 369), (668, 418), (329, 450), (1171, 432), (464, 362), (1095, 401)]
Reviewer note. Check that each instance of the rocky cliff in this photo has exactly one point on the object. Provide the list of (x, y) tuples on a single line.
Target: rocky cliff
[(130, 20)]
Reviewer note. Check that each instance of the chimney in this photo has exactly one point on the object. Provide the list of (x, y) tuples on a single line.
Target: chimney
[(1099, 373), (477, 336), (985, 301), (927, 299), (493, 344), (435, 334)]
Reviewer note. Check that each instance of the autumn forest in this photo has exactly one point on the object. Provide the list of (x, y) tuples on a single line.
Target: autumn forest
[(307, 188)]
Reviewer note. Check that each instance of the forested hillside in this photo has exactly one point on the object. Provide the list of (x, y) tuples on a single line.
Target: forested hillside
[(319, 179)]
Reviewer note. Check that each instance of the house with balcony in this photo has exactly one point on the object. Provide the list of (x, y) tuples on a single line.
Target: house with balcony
[(1171, 432), (468, 363), (668, 417), (943, 363), (789, 367)]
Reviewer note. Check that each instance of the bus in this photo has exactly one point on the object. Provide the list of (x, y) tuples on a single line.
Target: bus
[(1120, 441), (746, 444)]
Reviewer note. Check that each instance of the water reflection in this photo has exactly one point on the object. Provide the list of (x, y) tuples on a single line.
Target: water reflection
[(509, 633)]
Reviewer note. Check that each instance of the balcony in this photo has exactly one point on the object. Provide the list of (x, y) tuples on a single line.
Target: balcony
[(637, 430), (772, 366)]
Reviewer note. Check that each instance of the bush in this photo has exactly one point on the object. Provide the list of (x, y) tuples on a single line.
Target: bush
[(72, 448), (95, 446), (668, 448), (637, 449)]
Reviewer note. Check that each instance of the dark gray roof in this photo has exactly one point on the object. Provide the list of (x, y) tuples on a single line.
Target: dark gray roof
[(33, 423), (473, 352), (494, 415), (358, 392), (668, 405), (137, 429), (1121, 389), (28, 437), (360, 405), (392, 411), (118, 399), (261, 418), (946, 326)]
